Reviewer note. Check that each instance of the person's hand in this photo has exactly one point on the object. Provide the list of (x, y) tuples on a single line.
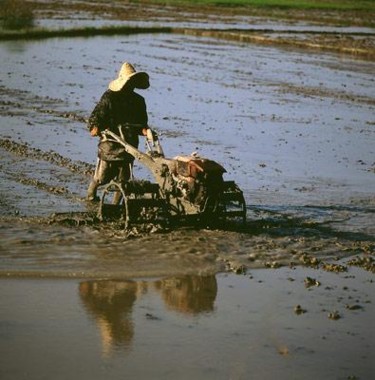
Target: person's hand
[(94, 131), (149, 134)]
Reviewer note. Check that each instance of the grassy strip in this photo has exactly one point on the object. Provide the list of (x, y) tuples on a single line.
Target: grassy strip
[(35, 34), (337, 5)]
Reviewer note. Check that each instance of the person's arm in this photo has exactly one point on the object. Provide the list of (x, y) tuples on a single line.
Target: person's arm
[(100, 117), (143, 117)]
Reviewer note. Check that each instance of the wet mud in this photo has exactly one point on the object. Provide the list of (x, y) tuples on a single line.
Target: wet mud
[(39, 239)]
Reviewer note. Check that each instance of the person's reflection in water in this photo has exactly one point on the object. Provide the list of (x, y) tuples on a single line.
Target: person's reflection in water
[(111, 304), (189, 294)]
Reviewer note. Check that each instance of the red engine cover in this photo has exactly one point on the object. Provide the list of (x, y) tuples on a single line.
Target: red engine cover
[(190, 166)]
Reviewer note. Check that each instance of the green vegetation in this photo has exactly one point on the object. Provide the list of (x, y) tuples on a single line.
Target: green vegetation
[(16, 14), (37, 34), (338, 5)]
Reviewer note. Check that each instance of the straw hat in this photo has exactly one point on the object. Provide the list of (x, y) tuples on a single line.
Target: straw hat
[(127, 72)]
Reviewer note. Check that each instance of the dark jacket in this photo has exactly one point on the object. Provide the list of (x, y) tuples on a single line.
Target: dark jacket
[(119, 109)]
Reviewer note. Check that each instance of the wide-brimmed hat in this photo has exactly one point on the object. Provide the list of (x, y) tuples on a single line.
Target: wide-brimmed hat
[(127, 72)]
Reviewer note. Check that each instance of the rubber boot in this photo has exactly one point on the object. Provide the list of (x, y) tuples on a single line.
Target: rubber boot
[(117, 197), (123, 175), (91, 192)]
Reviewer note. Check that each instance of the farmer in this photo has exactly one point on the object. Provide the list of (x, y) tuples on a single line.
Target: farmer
[(119, 107)]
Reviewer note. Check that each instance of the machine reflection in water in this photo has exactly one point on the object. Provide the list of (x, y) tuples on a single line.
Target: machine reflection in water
[(111, 303)]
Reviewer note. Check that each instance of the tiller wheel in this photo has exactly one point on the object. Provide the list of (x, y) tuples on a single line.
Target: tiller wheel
[(135, 202)]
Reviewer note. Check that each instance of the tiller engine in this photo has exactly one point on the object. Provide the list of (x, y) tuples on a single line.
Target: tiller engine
[(186, 188)]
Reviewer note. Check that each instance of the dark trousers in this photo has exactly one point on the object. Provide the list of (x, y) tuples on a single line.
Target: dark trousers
[(107, 171)]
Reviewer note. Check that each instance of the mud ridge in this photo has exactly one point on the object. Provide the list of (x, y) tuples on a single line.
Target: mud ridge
[(80, 32), (66, 115), (23, 150), (319, 92), (347, 46), (22, 100), (56, 190), (331, 42)]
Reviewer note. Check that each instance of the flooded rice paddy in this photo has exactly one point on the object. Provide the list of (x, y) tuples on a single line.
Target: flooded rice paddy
[(295, 130)]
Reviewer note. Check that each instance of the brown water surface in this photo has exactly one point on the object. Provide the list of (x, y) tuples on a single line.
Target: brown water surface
[(183, 327)]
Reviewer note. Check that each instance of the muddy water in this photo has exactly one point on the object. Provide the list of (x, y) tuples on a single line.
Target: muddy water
[(294, 130), (184, 327)]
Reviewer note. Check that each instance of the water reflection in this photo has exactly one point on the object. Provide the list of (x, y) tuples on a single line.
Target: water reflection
[(16, 46), (110, 303), (188, 294)]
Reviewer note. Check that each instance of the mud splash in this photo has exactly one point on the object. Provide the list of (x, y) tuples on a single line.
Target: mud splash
[(78, 245)]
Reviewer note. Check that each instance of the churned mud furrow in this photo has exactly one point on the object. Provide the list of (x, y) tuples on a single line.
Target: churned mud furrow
[(77, 244), (344, 96), (25, 151), (36, 182), (22, 102)]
